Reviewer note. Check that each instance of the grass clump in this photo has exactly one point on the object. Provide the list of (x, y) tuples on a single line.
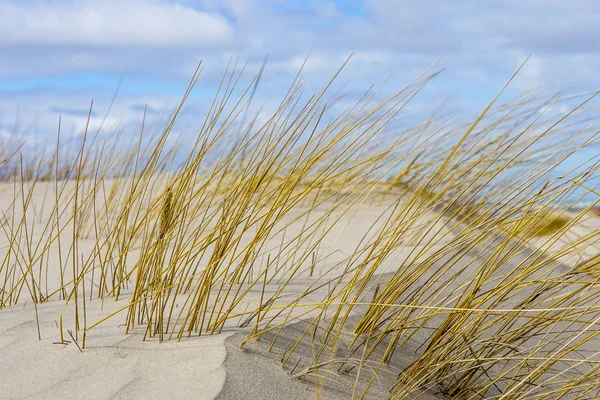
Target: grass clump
[(541, 224), (221, 235), (553, 225)]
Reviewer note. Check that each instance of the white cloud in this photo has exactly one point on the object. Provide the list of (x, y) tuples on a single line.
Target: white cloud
[(110, 23), (161, 42), (533, 68), (36, 114), (315, 62)]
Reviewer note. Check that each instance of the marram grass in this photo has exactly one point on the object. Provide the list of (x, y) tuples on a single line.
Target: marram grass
[(184, 235)]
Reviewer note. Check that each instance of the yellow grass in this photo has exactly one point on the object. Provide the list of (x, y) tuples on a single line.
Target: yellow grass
[(185, 242)]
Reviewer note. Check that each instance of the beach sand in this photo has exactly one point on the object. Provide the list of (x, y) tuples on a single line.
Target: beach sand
[(115, 365)]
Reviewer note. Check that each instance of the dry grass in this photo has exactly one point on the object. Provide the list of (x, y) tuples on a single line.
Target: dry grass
[(546, 225), (186, 242)]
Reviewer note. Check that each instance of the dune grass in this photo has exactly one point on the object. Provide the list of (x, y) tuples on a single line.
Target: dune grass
[(549, 225), (186, 235)]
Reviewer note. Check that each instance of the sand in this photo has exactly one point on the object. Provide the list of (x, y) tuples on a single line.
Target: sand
[(119, 366), (113, 366)]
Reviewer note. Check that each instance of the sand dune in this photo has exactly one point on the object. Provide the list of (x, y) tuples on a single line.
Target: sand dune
[(119, 366)]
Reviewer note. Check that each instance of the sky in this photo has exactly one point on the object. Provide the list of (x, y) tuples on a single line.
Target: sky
[(59, 55)]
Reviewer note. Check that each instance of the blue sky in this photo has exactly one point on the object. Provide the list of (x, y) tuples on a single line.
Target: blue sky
[(59, 55)]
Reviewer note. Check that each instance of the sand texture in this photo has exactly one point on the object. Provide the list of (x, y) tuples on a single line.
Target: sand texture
[(115, 365)]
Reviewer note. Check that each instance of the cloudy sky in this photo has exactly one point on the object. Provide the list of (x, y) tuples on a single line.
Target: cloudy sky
[(58, 55)]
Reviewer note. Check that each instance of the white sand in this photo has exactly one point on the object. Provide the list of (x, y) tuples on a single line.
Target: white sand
[(118, 366), (113, 365)]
